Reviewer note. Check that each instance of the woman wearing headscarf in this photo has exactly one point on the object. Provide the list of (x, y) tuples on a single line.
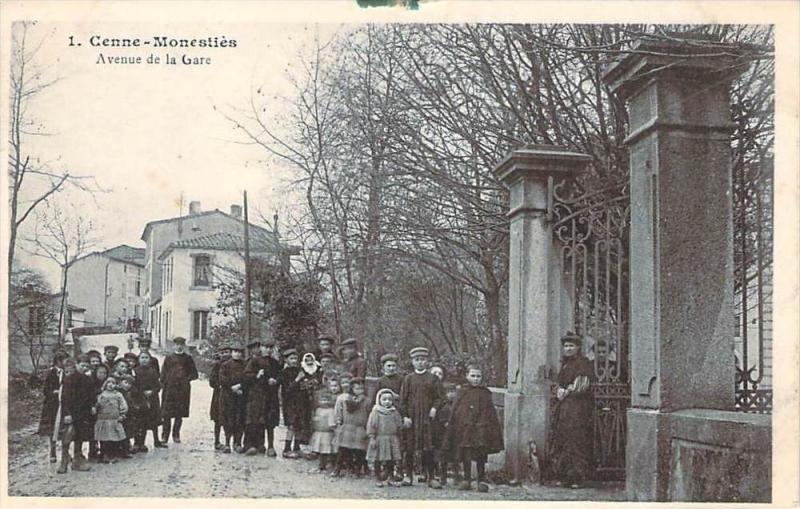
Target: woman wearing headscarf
[(572, 429)]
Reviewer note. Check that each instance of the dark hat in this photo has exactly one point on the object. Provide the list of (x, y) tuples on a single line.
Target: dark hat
[(93, 353), (268, 341), (223, 346), (237, 345), (347, 375), (127, 378), (357, 380), (350, 342), (83, 358), (178, 340), (145, 342), (111, 348), (571, 337), (389, 357), (254, 342), (119, 360), (289, 351), (419, 351), (325, 338)]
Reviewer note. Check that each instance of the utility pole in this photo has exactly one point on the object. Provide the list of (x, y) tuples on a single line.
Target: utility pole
[(246, 272)]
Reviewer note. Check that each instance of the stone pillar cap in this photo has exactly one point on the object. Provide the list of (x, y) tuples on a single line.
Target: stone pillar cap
[(540, 161), (690, 56)]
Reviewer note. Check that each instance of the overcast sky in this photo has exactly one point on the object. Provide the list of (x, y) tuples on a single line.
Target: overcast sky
[(150, 133)]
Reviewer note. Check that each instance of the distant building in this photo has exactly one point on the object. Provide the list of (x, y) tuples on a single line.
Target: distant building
[(110, 285), (33, 327), (193, 272), (184, 258)]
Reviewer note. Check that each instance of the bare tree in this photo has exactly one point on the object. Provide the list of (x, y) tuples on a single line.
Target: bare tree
[(32, 179), (62, 238)]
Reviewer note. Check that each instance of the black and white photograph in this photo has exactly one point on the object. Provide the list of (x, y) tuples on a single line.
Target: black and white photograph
[(400, 251)]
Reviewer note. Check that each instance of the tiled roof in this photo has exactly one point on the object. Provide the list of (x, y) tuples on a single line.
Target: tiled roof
[(201, 214), (226, 242)]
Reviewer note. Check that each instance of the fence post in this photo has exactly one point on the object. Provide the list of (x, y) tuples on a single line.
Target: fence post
[(534, 295), (681, 350)]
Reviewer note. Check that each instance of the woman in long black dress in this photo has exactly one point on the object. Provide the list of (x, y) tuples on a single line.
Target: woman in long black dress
[(572, 430), (52, 391)]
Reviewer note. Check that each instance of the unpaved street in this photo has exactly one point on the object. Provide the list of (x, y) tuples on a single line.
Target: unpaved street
[(194, 469)]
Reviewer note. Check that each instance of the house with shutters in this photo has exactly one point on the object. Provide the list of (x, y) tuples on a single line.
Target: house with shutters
[(187, 258)]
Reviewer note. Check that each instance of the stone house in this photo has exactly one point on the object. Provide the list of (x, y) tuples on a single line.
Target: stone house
[(110, 286)]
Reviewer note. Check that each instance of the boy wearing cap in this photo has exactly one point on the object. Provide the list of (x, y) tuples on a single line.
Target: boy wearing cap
[(262, 374), (232, 398), (77, 406), (325, 346), (110, 353), (177, 373), (353, 362), (421, 396)]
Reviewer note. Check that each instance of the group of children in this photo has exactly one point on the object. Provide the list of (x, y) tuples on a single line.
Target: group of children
[(330, 416), (110, 403)]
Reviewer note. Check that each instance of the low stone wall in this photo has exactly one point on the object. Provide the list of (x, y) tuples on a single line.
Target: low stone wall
[(720, 456), (701, 456)]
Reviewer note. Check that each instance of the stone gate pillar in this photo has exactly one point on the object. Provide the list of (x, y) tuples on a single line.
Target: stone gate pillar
[(681, 254), (534, 295)]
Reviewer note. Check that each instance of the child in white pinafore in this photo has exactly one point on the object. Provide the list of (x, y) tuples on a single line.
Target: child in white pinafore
[(383, 428), (108, 429)]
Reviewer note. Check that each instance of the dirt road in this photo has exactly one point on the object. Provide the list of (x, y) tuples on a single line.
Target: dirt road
[(194, 469)]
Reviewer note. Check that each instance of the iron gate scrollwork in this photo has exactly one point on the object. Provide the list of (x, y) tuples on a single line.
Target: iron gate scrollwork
[(752, 253), (592, 230)]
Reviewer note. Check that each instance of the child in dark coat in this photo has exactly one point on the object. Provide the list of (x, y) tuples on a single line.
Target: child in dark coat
[(474, 430), (52, 402), (296, 404), (148, 383), (232, 399), (421, 397), (383, 429), (442, 456), (222, 355), (77, 407), (133, 419)]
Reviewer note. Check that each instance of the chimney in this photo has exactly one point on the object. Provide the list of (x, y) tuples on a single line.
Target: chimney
[(236, 211), (194, 208)]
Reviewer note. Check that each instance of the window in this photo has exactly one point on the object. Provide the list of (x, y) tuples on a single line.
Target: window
[(167, 276), (202, 270), (200, 325), (36, 318), (138, 288)]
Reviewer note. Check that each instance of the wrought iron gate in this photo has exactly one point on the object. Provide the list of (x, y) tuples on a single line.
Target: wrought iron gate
[(592, 230), (752, 253)]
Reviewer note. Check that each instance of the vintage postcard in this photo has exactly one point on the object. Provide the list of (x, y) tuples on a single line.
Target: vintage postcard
[(415, 251)]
